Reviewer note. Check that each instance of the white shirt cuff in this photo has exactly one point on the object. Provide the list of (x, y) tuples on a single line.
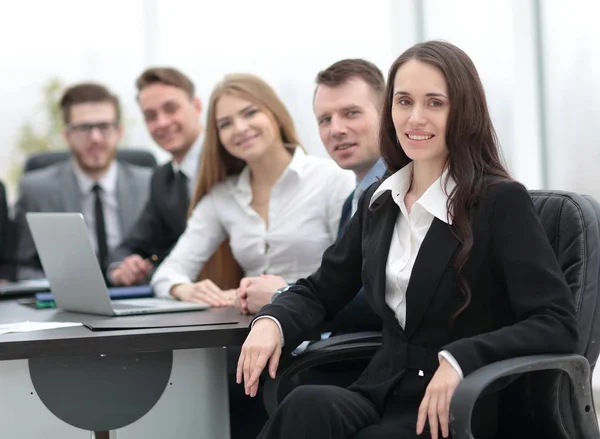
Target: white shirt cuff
[(162, 287), (448, 356), (278, 325)]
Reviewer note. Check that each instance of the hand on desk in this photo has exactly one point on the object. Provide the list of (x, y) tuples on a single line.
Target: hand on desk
[(435, 405), (133, 270), (204, 291), (256, 292), (262, 345)]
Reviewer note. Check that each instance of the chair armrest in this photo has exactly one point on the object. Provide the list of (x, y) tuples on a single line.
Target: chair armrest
[(309, 359), (576, 366), (337, 340)]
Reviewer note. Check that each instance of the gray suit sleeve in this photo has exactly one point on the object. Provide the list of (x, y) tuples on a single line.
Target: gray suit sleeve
[(117, 255)]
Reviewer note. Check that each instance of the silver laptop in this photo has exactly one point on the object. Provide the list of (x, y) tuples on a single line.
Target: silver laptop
[(71, 267)]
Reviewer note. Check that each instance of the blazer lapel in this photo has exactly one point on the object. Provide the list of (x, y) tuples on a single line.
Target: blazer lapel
[(380, 232), (70, 192), (432, 260)]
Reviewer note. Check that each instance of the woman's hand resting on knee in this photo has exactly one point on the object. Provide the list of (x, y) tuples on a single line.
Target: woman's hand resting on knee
[(435, 405), (262, 345)]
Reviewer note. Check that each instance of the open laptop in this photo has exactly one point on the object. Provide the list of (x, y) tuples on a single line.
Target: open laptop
[(71, 267)]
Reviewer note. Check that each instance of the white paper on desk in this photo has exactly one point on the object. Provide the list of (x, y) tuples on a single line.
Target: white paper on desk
[(34, 326)]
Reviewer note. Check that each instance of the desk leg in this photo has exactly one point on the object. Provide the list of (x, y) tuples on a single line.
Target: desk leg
[(104, 435)]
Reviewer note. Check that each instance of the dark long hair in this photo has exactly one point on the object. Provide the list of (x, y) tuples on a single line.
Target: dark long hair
[(474, 160)]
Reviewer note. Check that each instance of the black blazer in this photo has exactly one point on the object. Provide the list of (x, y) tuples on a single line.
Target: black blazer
[(357, 316), (520, 302), (7, 244), (161, 223)]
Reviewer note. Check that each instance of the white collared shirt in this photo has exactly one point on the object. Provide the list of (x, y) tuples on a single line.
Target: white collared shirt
[(304, 212), (409, 232), (189, 165), (110, 204)]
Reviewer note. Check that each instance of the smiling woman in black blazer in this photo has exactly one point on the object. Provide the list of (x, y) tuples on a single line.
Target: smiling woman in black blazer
[(452, 256)]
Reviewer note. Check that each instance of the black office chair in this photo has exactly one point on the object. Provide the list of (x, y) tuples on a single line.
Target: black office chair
[(551, 395), (7, 239), (133, 156)]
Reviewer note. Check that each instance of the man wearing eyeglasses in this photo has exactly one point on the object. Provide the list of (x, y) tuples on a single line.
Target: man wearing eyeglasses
[(109, 194)]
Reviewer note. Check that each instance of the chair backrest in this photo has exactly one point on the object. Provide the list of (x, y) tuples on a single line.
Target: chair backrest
[(7, 239), (133, 156), (572, 224)]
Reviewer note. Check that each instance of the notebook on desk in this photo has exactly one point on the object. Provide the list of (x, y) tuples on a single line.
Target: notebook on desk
[(75, 278), (214, 316), (115, 293)]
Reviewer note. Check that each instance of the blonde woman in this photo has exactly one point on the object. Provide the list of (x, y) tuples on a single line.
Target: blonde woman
[(278, 207)]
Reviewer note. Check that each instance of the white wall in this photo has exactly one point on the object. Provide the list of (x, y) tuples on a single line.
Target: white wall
[(572, 67)]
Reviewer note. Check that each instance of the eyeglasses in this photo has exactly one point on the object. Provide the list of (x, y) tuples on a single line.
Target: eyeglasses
[(84, 130)]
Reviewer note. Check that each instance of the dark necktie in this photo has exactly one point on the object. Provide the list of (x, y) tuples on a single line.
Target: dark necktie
[(100, 227), (346, 214), (183, 195)]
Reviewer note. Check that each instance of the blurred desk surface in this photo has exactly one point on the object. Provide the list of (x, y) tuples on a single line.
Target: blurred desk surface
[(185, 365), (80, 340)]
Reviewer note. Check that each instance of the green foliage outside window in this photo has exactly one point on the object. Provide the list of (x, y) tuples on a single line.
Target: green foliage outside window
[(43, 132)]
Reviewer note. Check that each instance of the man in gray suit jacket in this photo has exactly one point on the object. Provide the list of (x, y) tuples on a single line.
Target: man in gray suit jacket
[(109, 194)]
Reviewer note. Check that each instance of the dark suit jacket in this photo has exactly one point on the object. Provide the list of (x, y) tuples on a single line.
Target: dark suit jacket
[(161, 223), (520, 302), (7, 244)]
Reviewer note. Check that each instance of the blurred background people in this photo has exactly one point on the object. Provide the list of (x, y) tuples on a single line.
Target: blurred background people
[(109, 194)]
